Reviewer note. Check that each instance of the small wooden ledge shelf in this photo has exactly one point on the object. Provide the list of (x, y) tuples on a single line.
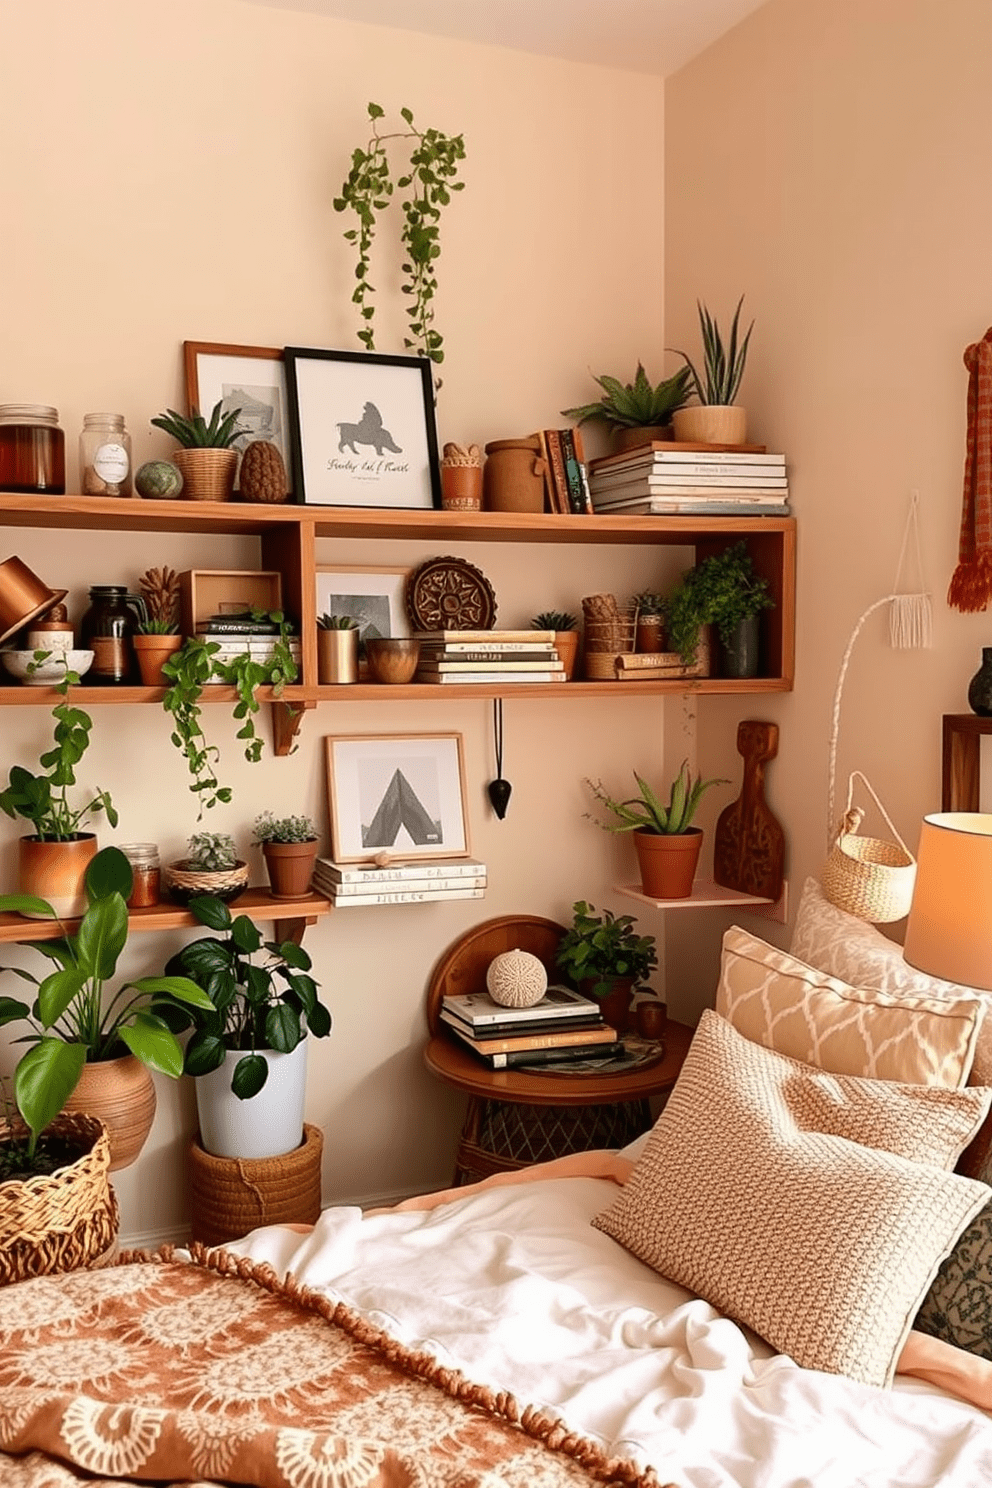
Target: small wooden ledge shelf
[(291, 917), (709, 895)]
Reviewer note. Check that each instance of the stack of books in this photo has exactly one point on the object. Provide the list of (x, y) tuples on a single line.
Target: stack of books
[(668, 479), (562, 1027), (355, 885), (236, 634), (488, 656)]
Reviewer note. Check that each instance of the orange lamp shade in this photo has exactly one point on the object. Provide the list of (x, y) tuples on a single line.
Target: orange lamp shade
[(949, 933)]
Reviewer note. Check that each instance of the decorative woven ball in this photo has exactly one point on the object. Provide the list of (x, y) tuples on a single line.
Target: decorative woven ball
[(516, 979)]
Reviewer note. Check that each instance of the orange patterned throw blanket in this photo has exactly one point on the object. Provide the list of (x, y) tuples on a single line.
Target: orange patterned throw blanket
[(216, 1372)]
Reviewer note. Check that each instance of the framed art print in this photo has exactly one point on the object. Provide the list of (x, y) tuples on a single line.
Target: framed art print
[(252, 378), (401, 794), (362, 429), (372, 597)]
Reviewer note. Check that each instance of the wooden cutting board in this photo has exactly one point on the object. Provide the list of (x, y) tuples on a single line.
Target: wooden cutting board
[(749, 846)]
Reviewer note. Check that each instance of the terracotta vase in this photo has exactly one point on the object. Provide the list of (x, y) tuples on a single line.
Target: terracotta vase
[(152, 651), (667, 863), (710, 423), (630, 439), (513, 477), (392, 659), (121, 1092), (461, 487), (567, 646), (54, 871), (290, 867)]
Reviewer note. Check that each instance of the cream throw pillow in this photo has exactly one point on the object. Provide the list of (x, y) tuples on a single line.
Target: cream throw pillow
[(775, 1000), (813, 1208)]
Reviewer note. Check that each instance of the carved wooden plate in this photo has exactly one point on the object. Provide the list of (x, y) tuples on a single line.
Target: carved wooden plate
[(450, 594)]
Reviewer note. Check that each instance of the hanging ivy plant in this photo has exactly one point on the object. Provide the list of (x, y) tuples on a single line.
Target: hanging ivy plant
[(429, 182)]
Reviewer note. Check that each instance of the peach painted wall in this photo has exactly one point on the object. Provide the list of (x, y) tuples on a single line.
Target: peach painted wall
[(168, 174), (829, 159)]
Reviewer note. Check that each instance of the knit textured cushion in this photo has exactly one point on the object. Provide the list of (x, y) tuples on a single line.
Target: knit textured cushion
[(775, 1000), (958, 1307), (812, 1208)]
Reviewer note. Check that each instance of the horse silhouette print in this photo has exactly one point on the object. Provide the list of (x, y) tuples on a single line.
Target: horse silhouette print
[(369, 431)]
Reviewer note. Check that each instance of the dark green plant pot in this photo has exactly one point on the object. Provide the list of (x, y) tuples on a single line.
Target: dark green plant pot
[(741, 657)]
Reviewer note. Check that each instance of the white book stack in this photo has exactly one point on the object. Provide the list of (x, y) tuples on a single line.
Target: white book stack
[(666, 479), (357, 885), (488, 656)]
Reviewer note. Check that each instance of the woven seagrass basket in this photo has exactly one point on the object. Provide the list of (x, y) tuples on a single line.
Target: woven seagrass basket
[(183, 883), (229, 1196), (609, 631), (63, 1221), (868, 876), (208, 474)]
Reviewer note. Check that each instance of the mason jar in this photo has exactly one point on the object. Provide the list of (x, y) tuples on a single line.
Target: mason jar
[(105, 455), (32, 449), (146, 870)]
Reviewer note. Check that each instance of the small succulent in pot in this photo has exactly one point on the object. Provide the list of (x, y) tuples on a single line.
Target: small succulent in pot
[(193, 431), (647, 812), (213, 851), (336, 622), (211, 866), (269, 828), (554, 620), (637, 404)]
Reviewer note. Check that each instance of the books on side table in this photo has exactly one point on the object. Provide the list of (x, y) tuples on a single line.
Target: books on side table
[(665, 479), (488, 656), (563, 1026), (356, 885)]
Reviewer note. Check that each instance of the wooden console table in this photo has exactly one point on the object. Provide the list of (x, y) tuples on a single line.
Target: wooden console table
[(961, 760)]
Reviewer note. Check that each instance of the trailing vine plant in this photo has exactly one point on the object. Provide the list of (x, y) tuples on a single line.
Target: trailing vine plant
[(430, 180)]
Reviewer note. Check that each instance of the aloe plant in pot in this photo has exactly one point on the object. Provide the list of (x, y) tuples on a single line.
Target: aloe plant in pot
[(665, 840), (206, 456), (636, 412)]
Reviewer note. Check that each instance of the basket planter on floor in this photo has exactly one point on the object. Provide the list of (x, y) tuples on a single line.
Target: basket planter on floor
[(229, 1196)]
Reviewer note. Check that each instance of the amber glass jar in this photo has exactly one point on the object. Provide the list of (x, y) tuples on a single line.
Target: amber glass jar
[(146, 869), (106, 629), (32, 449)]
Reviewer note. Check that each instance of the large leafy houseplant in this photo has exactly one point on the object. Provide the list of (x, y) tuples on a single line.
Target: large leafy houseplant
[(638, 404), (72, 1021), (599, 950), (722, 590)]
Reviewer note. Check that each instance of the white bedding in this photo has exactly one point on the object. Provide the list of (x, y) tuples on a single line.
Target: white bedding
[(513, 1286)]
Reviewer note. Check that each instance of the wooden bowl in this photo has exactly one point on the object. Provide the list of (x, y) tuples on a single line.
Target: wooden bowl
[(392, 659)]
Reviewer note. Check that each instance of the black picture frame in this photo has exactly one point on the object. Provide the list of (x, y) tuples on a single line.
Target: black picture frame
[(380, 456)]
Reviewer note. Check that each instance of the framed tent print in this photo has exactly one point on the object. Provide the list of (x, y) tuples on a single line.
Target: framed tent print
[(362, 427), (399, 794)]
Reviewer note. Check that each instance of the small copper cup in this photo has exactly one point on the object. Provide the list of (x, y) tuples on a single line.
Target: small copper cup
[(650, 1017)]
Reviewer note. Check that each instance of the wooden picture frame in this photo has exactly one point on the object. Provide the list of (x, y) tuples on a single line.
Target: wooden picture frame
[(362, 429), (252, 378), (375, 598), (402, 795)]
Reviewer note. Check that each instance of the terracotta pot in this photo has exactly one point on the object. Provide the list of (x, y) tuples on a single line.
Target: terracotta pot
[(710, 423), (121, 1092), (616, 1003), (461, 487), (337, 656), (152, 651), (667, 863), (290, 867), (392, 658), (567, 646), (208, 474), (54, 871), (513, 478), (629, 439)]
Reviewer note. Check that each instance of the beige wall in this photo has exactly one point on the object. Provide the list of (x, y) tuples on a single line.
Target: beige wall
[(830, 159), (168, 174)]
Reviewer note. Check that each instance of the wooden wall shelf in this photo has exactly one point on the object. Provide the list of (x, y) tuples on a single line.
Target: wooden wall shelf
[(291, 917)]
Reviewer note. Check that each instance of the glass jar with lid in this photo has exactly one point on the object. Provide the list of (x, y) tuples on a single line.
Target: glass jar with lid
[(32, 449), (107, 629), (105, 455), (146, 872)]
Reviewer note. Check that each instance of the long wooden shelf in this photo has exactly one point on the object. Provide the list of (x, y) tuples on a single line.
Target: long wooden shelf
[(258, 904)]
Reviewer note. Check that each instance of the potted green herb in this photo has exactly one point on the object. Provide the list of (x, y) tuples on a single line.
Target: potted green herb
[(566, 633), (717, 420), (337, 649), (87, 1052), (211, 866), (289, 847), (604, 957), (636, 412), (248, 1050), (723, 590), (206, 456), (665, 840)]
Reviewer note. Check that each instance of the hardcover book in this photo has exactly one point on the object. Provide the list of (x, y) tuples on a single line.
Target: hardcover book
[(512, 1044), (396, 872), (508, 1029), (479, 1010), (540, 1058), (403, 896)]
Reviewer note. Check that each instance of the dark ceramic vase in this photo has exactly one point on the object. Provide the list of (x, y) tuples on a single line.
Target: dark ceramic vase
[(739, 658), (980, 686)]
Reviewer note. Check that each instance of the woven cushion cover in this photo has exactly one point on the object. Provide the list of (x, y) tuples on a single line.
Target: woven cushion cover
[(776, 1000), (812, 1208)]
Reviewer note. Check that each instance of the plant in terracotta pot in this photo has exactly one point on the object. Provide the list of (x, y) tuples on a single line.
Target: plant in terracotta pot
[(636, 412), (566, 633), (157, 635), (604, 957), (53, 860), (289, 847), (206, 457), (666, 842), (248, 1049), (211, 866), (723, 590), (649, 630), (89, 1052), (717, 420)]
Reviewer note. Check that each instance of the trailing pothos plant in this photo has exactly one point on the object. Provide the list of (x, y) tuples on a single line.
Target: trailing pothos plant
[(429, 182)]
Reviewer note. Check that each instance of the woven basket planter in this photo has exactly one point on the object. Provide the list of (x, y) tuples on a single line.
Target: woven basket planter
[(230, 1196), (64, 1221), (183, 883), (208, 474)]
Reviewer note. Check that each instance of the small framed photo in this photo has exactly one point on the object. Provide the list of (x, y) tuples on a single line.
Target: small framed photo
[(372, 597), (399, 794), (252, 378), (362, 429)]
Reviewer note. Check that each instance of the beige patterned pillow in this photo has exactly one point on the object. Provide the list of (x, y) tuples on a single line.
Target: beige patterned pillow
[(786, 1197), (775, 1000), (844, 946)]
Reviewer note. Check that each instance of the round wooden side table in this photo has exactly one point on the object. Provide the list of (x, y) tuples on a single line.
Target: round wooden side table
[(518, 1117)]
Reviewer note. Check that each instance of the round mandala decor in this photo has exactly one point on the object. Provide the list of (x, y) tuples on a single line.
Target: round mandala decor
[(450, 594)]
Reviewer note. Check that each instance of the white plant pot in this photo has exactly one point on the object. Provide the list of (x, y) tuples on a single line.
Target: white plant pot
[(267, 1125)]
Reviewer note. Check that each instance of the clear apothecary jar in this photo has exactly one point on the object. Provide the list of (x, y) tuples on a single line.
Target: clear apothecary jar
[(105, 455), (146, 870), (32, 449)]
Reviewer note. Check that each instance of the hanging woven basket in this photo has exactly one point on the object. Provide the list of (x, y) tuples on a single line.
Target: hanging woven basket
[(868, 876)]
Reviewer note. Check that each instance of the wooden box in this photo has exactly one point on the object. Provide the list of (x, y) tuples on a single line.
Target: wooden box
[(217, 591)]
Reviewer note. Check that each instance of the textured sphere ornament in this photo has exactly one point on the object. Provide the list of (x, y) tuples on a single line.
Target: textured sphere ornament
[(516, 979)]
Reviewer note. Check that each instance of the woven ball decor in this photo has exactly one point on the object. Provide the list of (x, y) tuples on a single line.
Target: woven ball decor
[(516, 979), (229, 1196)]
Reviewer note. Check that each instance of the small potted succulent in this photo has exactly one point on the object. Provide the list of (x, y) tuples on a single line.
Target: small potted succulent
[(566, 633), (666, 842), (717, 419), (157, 634), (206, 457), (337, 649), (604, 957), (211, 866), (636, 412), (289, 847)]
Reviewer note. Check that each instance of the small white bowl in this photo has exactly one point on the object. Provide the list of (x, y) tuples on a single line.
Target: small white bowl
[(49, 672)]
